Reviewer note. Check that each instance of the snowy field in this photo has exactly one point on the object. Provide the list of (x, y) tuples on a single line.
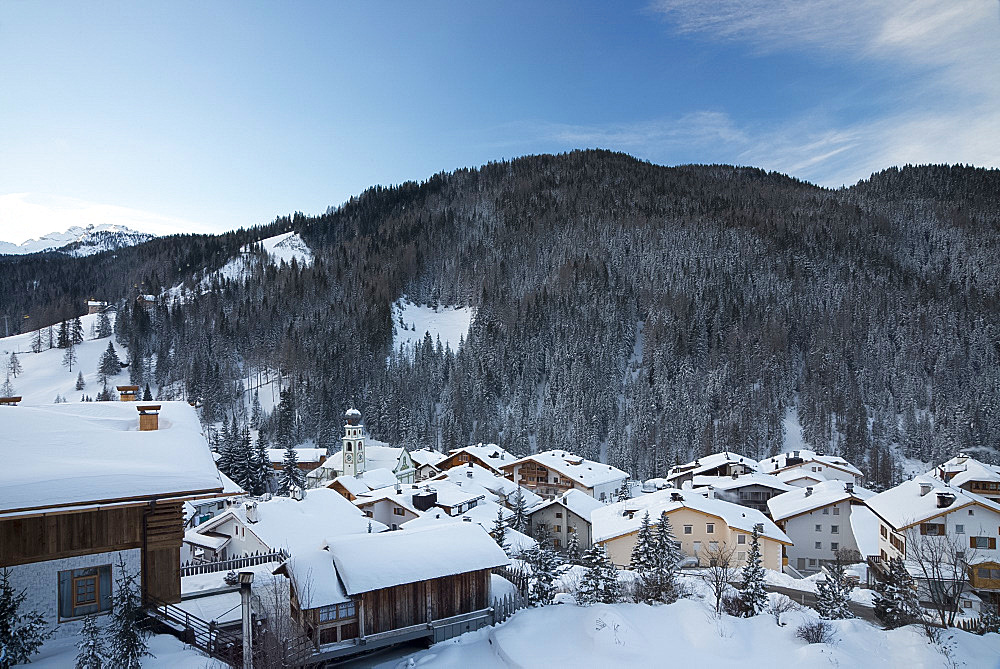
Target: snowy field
[(169, 653), (687, 633), (411, 321), (44, 375)]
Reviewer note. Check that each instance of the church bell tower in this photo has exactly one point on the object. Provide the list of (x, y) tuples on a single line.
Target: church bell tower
[(354, 443)]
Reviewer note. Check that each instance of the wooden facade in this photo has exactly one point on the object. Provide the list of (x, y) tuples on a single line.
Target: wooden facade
[(421, 602), (156, 529), (462, 459)]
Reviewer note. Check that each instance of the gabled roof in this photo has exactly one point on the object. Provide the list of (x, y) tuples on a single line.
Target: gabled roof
[(612, 521), (712, 461), (798, 477), (277, 455), (371, 479), (587, 473), (802, 500), (298, 524), (426, 456), (741, 481), (377, 457), (88, 453), (905, 506), (491, 454), (963, 469), (576, 501), (375, 561), (781, 461), (495, 485)]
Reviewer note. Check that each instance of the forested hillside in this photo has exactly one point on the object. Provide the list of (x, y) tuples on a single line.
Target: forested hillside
[(643, 313)]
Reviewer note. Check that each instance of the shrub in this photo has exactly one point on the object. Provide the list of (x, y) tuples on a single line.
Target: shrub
[(818, 631)]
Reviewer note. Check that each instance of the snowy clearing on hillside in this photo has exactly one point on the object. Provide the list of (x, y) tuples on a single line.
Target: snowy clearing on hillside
[(687, 633), (168, 653), (411, 321), (44, 376), (284, 248), (794, 441)]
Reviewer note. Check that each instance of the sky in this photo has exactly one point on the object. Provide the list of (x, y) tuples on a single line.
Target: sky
[(202, 117)]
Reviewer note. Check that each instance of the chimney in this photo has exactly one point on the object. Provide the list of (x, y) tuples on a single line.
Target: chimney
[(128, 393), (296, 493), (849, 487), (149, 417), (468, 473), (466, 519), (399, 488), (809, 490), (711, 493), (251, 510), (925, 488), (736, 475), (676, 497)]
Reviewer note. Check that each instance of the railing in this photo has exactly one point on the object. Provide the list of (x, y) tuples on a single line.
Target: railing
[(192, 568), (206, 636), (518, 577)]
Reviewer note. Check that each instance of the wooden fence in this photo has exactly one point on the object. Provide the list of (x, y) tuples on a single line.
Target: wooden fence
[(232, 564)]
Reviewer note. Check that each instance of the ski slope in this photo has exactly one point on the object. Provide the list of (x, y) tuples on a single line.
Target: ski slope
[(44, 375), (411, 321)]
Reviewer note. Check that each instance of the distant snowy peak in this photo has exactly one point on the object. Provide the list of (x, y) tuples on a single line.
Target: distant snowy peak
[(77, 241)]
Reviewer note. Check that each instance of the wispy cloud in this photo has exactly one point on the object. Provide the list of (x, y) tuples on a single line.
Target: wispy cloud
[(944, 57), (26, 215)]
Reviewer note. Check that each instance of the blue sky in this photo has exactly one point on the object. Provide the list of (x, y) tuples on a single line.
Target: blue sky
[(194, 116)]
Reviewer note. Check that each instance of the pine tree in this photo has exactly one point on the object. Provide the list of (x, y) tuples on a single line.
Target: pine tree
[(670, 559), (290, 476), (21, 632), (833, 594), (600, 582), (499, 531), (65, 339), (645, 553), (51, 337), (76, 331), (623, 492), (255, 411), (262, 466), (127, 642), (80, 383), (110, 364), (573, 547), (147, 396), (7, 389), (103, 326), (93, 654), (895, 598), (545, 568), (36, 342), (69, 357), (14, 365), (753, 594), (520, 509)]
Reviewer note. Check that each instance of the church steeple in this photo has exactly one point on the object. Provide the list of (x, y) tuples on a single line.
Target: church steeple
[(354, 443)]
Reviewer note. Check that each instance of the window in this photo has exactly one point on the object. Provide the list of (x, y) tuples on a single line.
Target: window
[(971, 512), (713, 546), (688, 529), (835, 529), (898, 544), (960, 529), (710, 528), (819, 528), (982, 542), (986, 572), (836, 510), (398, 511), (369, 514), (555, 543), (84, 591), (741, 539), (932, 529), (558, 514), (885, 532), (819, 545), (741, 556), (557, 528), (826, 511), (834, 546), (812, 562), (336, 612)]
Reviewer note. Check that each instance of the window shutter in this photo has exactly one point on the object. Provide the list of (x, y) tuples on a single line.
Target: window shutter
[(993, 543), (972, 542), (66, 594)]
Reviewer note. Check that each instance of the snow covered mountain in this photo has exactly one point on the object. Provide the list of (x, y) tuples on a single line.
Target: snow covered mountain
[(77, 241)]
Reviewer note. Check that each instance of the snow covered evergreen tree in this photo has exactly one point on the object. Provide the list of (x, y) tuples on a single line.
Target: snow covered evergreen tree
[(895, 598), (833, 594), (600, 582), (753, 595), (573, 547), (21, 632), (255, 411), (93, 654), (80, 383), (110, 364), (290, 476), (76, 331), (670, 559), (499, 531), (36, 342), (14, 365), (645, 553), (127, 641), (64, 338), (103, 326), (7, 389), (147, 396), (520, 509), (545, 568), (69, 357)]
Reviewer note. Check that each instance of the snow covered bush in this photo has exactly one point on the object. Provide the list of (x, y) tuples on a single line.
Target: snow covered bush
[(818, 631)]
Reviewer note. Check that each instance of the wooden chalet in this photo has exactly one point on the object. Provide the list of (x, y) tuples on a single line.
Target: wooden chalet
[(489, 456), (372, 590), (84, 491)]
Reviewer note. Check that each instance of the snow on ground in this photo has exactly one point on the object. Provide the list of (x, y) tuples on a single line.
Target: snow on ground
[(169, 653), (411, 321), (283, 248), (794, 441), (44, 375), (687, 633)]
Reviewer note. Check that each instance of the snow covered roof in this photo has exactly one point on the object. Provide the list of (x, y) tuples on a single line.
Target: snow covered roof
[(864, 524), (212, 540), (576, 501), (785, 460), (231, 487), (711, 462), (277, 455), (611, 520), (86, 453), (426, 456), (366, 481), (496, 486), (585, 472), (741, 481), (491, 454), (377, 457), (315, 578), (904, 505), (299, 524), (375, 561), (962, 469), (803, 500), (799, 477)]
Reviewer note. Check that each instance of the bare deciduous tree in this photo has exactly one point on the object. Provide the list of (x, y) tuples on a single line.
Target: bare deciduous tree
[(941, 562), (721, 570)]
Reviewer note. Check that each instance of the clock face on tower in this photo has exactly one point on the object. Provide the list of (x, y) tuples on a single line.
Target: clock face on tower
[(361, 456), (348, 458)]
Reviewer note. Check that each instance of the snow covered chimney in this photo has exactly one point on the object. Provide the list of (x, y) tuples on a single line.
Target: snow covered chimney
[(149, 417), (849, 487), (809, 490), (676, 497), (251, 510), (925, 488), (399, 489), (945, 499), (736, 475), (468, 473), (296, 493)]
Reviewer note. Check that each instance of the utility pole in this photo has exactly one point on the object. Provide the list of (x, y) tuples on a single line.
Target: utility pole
[(246, 579)]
